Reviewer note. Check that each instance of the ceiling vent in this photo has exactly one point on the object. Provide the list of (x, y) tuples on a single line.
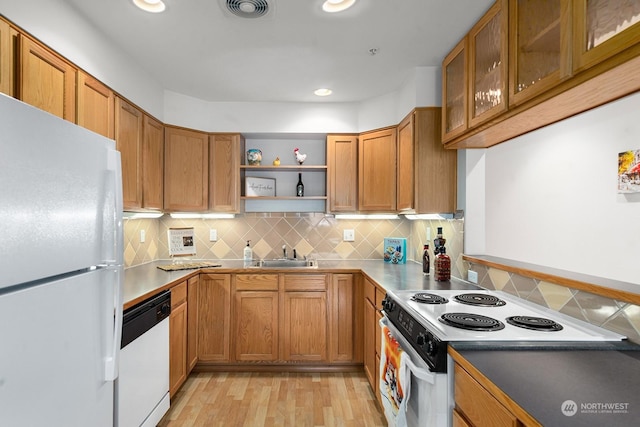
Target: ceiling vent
[(247, 8)]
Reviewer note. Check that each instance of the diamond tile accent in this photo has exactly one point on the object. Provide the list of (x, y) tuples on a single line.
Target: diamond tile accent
[(220, 249), (499, 278), (554, 295)]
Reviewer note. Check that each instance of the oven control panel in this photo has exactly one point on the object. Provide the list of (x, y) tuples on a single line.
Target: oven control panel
[(431, 349)]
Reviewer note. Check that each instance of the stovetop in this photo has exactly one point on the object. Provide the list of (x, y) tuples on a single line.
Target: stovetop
[(498, 315)]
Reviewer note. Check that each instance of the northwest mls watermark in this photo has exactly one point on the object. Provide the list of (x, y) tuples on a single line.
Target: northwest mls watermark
[(570, 408)]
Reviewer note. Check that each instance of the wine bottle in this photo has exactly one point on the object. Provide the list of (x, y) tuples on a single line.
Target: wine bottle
[(425, 260), (300, 186)]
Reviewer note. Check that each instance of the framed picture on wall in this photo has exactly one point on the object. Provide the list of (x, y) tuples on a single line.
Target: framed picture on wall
[(629, 171)]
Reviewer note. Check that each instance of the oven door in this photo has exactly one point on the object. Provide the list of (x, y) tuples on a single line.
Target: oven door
[(428, 395)]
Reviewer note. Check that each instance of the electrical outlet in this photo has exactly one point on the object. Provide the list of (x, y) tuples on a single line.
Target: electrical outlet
[(428, 234), (213, 235), (143, 236), (349, 235), (472, 276)]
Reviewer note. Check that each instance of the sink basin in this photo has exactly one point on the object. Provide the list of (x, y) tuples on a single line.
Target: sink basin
[(286, 263)]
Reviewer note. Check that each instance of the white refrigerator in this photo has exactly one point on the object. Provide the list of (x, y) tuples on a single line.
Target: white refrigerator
[(61, 271)]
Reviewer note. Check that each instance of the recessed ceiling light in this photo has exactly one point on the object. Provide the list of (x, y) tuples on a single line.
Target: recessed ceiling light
[(337, 5), (153, 6), (323, 92)]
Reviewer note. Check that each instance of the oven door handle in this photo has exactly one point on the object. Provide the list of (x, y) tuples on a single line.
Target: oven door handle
[(421, 373)]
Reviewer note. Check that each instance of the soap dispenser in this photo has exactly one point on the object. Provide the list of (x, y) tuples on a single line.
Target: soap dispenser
[(248, 253)]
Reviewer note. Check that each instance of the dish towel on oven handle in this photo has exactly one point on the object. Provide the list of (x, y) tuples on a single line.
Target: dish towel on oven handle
[(395, 380)]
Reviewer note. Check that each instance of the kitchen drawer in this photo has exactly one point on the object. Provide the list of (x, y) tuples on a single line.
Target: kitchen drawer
[(256, 282), (305, 282), (178, 294), (477, 405)]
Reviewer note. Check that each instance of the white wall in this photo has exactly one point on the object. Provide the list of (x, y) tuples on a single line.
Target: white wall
[(551, 197), (59, 26), (255, 117)]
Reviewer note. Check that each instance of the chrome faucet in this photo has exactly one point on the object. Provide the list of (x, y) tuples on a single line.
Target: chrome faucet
[(284, 251)]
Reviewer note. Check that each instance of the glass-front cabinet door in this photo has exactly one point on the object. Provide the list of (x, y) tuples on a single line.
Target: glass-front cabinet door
[(488, 64), (603, 28), (454, 92), (539, 47)]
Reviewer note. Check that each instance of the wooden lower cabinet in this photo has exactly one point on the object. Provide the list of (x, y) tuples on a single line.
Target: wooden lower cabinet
[(304, 326), (304, 318), (372, 334), (276, 318), (214, 317), (178, 338), (369, 342), (478, 402), (256, 317), (345, 318), (192, 322)]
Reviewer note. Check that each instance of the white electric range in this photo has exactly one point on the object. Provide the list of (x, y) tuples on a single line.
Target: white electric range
[(431, 318), (424, 322)]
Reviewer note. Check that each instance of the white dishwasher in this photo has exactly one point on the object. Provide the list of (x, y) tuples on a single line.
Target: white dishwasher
[(142, 388)]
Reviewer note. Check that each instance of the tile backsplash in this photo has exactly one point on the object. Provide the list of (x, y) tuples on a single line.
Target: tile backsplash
[(320, 236), (618, 316), (311, 234)]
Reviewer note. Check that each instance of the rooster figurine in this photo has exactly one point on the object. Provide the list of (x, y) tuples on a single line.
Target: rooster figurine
[(300, 158)]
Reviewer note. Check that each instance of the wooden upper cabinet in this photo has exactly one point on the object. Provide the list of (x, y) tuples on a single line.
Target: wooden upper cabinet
[(540, 47), (186, 171), (435, 180), (46, 80), (7, 55), (224, 172), (129, 122), (406, 165), (342, 172), (96, 105), (488, 64), (152, 163), (454, 92), (603, 28), (377, 171)]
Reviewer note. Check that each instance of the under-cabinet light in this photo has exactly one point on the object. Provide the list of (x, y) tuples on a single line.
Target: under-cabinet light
[(141, 215), (202, 216), (429, 216), (363, 216)]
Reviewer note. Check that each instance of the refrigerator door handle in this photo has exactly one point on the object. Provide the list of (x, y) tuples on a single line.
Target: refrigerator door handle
[(115, 325), (113, 256), (112, 226)]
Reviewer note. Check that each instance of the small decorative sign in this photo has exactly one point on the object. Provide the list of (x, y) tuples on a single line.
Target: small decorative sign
[(260, 187), (181, 241), (629, 171)]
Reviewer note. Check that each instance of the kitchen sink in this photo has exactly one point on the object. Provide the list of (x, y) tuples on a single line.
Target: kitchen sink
[(286, 263)]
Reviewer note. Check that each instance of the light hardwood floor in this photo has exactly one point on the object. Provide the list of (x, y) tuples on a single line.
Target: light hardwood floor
[(274, 399)]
